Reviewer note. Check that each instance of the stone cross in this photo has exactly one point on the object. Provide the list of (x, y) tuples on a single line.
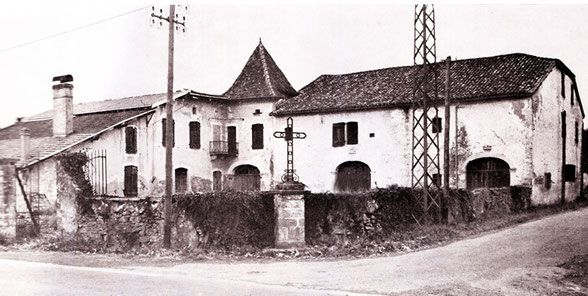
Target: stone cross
[(289, 135)]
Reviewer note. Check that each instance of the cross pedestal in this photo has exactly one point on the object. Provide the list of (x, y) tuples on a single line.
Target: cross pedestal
[(289, 215), (289, 197)]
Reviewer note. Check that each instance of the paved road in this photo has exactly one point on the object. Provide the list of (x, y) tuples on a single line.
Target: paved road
[(520, 260), (33, 278)]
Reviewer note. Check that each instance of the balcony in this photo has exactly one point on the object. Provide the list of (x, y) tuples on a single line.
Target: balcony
[(224, 148)]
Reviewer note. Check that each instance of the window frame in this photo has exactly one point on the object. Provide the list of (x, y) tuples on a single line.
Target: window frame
[(563, 84), (195, 134), (352, 133), (257, 136), (436, 125), (569, 173), (177, 180), (130, 140), (338, 131), (164, 132), (131, 181)]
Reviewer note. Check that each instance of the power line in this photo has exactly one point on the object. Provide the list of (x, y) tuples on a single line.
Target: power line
[(72, 30)]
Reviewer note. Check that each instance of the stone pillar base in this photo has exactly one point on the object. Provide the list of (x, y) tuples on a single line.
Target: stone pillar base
[(289, 215)]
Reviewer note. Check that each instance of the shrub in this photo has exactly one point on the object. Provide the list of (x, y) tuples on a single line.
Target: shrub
[(231, 219)]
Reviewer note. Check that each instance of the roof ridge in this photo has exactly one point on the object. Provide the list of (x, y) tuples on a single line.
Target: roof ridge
[(266, 75), (440, 62)]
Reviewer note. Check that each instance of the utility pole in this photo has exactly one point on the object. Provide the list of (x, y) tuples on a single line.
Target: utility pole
[(446, 138), (425, 144), (172, 19)]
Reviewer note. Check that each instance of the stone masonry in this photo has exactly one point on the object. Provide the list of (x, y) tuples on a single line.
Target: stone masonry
[(289, 211), (7, 200)]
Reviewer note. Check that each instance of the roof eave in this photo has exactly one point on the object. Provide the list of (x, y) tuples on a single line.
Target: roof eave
[(396, 105), (87, 138)]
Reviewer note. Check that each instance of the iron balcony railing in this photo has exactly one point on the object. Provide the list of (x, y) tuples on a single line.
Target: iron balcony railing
[(224, 148)]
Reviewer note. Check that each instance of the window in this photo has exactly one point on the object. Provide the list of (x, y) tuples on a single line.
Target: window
[(570, 173), (572, 92), (563, 125), (436, 125), (130, 140), (342, 135), (181, 178), (338, 134), (576, 134), (437, 179), (487, 173), (194, 110), (217, 178), (352, 133), (257, 136), (194, 134), (563, 84), (130, 181), (163, 132), (547, 180)]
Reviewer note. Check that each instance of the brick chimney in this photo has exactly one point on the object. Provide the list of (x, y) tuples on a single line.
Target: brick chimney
[(62, 106), (25, 144)]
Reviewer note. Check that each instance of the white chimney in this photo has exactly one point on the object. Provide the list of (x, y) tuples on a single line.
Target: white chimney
[(25, 144), (62, 106)]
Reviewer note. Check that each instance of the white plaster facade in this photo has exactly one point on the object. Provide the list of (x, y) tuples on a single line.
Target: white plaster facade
[(525, 132)]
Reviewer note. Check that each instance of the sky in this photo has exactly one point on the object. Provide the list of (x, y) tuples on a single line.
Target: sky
[(125, 56)]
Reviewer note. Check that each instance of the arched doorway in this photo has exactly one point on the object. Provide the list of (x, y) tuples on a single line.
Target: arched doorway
[(487, 172), (245, 178), (353, 176)]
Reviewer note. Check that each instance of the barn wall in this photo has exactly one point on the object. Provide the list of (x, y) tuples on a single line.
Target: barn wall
[(498, 129), (387, 153), (548, 103)]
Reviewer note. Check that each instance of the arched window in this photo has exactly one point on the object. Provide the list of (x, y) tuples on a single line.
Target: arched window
[(353, 176), (487, 173)]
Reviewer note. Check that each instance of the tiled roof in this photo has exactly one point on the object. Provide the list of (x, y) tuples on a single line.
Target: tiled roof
[(42, 142), (511, 75), (137, 102), (260, 78)]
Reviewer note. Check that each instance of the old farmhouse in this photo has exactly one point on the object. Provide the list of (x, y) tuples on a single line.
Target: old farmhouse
[(516, 119)]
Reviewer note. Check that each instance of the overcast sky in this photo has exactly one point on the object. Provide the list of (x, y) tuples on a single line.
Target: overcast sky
[(125, 56)]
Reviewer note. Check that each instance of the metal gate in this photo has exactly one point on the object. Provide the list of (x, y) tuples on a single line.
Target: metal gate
[(96, 171)]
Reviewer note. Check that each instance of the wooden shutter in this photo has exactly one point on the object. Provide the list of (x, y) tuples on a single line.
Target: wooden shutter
[(130, 140), (164, 132), (257, 136), (181, 178), (570, 173), (338, 134), (436, 125), (195, 134), (352, 137), (130, 181)]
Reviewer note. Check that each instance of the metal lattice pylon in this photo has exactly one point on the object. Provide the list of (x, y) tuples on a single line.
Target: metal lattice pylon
[(425, 143)]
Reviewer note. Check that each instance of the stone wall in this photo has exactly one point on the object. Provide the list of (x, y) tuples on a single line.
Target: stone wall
[(123, 224), (337, 218), (7, 200)]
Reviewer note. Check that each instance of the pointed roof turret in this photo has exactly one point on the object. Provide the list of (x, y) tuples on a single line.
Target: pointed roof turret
[(260, 78)]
